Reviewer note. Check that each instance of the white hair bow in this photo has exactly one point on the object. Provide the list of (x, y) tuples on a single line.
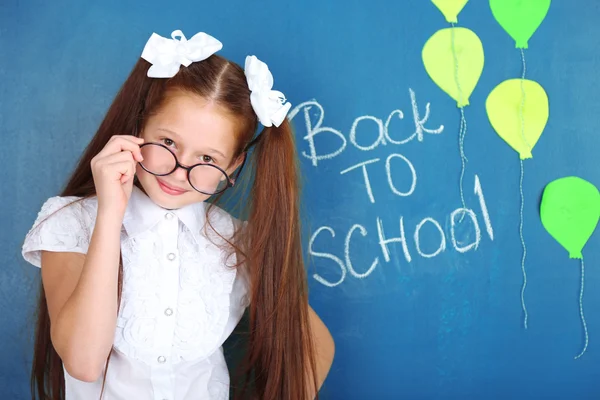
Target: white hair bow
[(168, 55), (269, 105)]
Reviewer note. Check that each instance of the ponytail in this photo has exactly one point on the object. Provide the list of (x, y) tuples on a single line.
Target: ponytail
[(280, 360)]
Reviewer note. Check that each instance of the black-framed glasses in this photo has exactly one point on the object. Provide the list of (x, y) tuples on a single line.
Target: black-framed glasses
[(205, 178)]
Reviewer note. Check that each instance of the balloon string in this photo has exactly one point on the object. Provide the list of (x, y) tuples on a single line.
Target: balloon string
[(463, 159), (581, 312), (460, 94), (521, 212), (524, 64), (462, 131), (522, 110)]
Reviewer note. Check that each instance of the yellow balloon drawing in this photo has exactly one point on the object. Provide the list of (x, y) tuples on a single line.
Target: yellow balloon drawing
[(450, 8), (518, 110), (453, 58)]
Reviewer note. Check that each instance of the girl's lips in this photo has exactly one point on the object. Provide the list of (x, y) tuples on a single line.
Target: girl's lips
[(170, 189)]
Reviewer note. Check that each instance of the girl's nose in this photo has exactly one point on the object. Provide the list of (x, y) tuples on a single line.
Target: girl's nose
[(180, 174)]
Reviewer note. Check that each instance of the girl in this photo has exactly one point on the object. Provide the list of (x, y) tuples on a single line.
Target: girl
[(142, 279)]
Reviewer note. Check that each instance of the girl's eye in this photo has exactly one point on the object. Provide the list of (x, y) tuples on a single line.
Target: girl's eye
[(207, 159), (168, 142)]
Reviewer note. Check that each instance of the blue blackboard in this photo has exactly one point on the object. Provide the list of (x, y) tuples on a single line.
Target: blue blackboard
[(420, 307)]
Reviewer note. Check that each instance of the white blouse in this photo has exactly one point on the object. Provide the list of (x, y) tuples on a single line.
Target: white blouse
[(180, 298)]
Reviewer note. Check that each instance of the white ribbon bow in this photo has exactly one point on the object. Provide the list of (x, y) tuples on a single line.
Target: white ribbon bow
[(168, 55), (269, 105)]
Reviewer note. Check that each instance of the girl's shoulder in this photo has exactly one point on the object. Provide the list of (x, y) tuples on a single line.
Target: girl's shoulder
[(63, 223), (72, 211), (68, 206), (223, 221)]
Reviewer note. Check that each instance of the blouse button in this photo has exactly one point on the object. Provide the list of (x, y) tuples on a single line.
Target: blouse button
[(171, 256), (162, 359), (168, 312), (245, 301), (169, 215)]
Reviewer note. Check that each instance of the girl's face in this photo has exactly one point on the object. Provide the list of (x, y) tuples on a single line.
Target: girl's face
[(196, 131)]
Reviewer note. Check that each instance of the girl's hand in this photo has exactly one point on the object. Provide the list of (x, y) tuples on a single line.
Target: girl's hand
[(113, 170)]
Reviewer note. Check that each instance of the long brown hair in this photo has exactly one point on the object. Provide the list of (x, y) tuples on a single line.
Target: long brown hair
[(280, 362)]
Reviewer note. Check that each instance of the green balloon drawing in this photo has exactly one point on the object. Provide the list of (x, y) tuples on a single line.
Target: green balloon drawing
[(450, 8), (518, 110), (448, 49), (520, 18), (570, 211)]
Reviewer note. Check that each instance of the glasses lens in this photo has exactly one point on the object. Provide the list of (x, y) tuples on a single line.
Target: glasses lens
[(158, 160), (208, 179)]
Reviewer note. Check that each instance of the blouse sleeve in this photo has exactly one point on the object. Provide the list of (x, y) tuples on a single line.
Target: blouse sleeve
[(64, 224)]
